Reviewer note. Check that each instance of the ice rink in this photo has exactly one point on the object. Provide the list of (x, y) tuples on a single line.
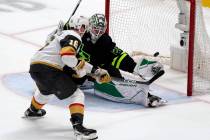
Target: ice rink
[(23, 30)]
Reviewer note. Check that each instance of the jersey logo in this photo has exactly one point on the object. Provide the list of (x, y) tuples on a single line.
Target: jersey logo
[(83, 55)]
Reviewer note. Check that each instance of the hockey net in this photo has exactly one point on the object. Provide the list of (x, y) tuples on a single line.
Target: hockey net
[(148, 26)]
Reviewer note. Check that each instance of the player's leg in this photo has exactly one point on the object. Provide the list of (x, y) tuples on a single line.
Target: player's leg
[(74, 97), (76, 109), (126, 91), (42, 94), (37, 103)]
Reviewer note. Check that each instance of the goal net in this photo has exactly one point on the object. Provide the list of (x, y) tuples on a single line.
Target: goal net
[(148, 26)]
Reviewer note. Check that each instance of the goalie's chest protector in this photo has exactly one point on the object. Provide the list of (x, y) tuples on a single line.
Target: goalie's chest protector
[(98, 53)]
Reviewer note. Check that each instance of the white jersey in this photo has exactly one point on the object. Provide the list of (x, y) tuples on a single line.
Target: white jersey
[(61, 45)]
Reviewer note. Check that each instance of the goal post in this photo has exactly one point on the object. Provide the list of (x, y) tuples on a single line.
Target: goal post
[(175, 28), (191, 47)]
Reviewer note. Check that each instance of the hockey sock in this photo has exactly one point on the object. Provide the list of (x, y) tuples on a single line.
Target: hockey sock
[(77, 111), (35, 105)]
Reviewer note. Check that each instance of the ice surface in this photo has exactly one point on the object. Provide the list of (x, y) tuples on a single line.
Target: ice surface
[(24, 26)]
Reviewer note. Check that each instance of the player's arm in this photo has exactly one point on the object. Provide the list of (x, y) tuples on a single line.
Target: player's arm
[(119, 58), (122, 60), (57, 31), (69, 45)]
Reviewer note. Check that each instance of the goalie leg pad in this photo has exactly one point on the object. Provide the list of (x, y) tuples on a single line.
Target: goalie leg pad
[(123, 91)]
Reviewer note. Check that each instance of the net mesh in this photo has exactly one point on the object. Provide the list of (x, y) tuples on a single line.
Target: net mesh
[(144, 26), (201, 68), (148, 26)]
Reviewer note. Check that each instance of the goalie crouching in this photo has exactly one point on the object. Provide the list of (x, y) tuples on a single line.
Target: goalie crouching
[(129, 89), (107, 55), (99, 50)]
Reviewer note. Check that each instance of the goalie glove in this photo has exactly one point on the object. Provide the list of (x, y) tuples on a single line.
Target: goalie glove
[(101, 75), (147, 69), (156, 68)]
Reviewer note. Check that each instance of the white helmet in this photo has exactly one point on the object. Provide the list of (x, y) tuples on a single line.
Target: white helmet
[(79, 23)]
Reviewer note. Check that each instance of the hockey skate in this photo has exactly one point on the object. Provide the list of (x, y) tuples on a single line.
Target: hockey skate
[(31, 113), (155, 101), (83, 133)]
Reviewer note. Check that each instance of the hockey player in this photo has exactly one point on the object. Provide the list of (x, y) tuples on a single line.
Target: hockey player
[(100, 50), (46, 70)]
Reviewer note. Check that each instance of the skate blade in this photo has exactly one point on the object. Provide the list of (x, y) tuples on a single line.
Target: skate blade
[(83, 137), (31, 118)]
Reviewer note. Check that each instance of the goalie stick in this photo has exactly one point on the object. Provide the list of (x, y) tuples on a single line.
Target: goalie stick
[(145, 82), (120, 81)]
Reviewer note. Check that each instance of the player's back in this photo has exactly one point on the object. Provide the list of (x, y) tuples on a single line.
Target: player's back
[(50, 54)]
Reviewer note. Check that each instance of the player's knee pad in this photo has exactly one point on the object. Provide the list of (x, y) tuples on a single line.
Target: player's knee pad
[(77, 97), (41, 98)]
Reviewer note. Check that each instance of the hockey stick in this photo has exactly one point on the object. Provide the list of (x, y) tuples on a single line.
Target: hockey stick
[(74, 11), (148, 82), (144, 81), (156, 76)]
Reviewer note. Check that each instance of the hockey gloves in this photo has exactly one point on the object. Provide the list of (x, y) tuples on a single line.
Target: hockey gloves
[(82, 68), (101, 76), (57, 31)]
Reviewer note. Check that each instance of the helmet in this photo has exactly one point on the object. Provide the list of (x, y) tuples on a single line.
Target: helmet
[(79, 23), (97, 26)]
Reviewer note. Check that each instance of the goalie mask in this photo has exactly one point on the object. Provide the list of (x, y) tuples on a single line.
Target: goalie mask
[(97, 26), (79, 23)]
